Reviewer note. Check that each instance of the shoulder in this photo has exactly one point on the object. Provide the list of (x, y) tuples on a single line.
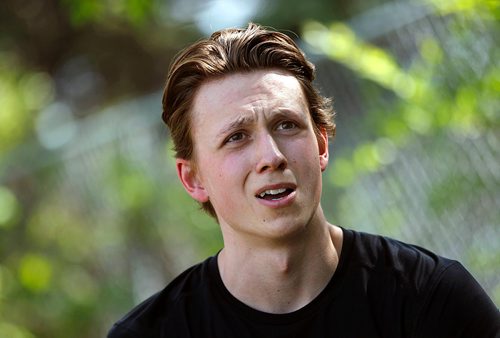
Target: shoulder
[(388, 269), (382, 253), (455, 305), (439, 295), (149, 317)]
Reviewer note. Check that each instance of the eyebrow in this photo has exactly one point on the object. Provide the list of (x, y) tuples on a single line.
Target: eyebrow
[(284, 113), (238, 123), (245, 120)]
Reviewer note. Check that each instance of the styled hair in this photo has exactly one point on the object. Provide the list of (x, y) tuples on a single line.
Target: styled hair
[(230, 51)]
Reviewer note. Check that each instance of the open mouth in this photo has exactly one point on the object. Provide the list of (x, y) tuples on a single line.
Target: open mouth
[(274, 194)]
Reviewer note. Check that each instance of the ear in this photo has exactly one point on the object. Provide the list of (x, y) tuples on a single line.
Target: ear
[(323, 148), (190, 180)]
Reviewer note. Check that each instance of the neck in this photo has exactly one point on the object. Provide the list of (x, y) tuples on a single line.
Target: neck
[(282, 277)]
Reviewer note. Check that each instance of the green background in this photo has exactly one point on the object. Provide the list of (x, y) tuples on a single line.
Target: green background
[(92, 217)]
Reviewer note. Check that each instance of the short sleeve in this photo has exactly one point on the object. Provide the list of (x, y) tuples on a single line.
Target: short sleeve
[(120, 332), (455, 305)]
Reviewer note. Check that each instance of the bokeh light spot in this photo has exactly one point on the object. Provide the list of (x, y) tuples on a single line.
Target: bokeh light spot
[(35, 273), (8, 206)]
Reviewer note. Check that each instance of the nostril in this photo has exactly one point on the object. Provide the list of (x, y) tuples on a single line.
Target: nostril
[(269, 155), (274, 164)]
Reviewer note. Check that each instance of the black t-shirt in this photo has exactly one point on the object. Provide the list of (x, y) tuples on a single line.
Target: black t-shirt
[(381, 288)]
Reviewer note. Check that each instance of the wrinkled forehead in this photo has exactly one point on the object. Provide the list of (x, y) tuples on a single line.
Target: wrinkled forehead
[(239, 90)]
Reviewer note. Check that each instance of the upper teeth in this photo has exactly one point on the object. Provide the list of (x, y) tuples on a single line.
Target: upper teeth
[(272, 192)]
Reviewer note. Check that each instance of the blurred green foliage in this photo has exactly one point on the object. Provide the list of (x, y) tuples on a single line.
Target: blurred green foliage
[(443, 100), (135, 12), (92, 217), (425, 103)]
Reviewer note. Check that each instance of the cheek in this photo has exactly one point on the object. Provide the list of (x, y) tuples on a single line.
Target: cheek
[(304, 155), (305, 162), (226, 176)]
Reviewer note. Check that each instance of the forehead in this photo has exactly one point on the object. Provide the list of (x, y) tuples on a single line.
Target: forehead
[(240, 92), (244, 83)]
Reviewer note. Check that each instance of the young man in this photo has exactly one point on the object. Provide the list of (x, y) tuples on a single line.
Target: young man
[(251, 139)]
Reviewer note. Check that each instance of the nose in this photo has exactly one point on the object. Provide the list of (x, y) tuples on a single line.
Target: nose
[(269, 156)]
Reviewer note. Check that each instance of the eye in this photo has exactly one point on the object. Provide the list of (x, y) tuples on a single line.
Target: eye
[(235, 137), (286, 125)]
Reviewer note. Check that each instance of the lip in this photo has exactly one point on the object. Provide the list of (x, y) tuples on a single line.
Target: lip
[(282, 202)]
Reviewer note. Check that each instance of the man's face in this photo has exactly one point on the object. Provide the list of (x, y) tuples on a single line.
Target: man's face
[(256, 155)]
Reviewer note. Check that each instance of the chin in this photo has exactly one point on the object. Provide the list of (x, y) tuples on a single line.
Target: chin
[(283, 228)]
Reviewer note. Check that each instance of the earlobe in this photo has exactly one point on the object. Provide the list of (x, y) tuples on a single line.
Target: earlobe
[(323, 149), (190, 180)]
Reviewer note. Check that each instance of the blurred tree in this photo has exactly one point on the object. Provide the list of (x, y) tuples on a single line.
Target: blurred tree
[(436, 101), (92, 218), (59, 63)]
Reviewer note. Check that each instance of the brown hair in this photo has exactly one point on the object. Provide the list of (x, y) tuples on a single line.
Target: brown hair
[(234, 51)]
